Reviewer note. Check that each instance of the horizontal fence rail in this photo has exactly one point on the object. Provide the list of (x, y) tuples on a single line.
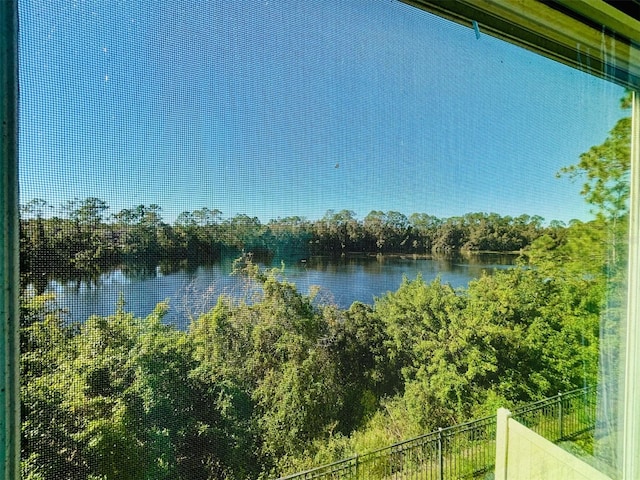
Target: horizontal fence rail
[(563, 417), (464, 451)]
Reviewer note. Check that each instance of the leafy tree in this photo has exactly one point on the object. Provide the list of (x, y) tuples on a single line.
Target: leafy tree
[(423, 228), (36, 249), (417, 318), (451, 235), (337, 232), (87, 245), (359, 348), (289, 237), (243, 232), (542, 331), (605, 170), (49, 448), (276, 346), (138, 230)]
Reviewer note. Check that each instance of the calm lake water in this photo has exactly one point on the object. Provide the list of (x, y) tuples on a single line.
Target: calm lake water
[(193, 290)]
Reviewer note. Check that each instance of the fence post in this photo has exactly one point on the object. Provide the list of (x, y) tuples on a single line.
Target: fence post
[(502, 444), (357, 465), (560, 417), (440, 454)]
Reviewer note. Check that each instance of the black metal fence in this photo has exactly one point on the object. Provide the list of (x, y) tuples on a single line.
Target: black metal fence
[(563, 417), (464, 451)]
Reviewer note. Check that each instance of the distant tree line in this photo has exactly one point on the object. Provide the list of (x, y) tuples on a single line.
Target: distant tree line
[(85, 236)]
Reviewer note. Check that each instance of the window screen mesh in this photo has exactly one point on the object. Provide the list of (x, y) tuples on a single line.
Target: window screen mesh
[(259, 237)]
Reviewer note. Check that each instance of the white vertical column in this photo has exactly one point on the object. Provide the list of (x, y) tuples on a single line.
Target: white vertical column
[(631, 398), (502, 443)]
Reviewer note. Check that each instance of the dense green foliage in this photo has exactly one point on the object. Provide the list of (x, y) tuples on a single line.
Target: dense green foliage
[(262, 382)]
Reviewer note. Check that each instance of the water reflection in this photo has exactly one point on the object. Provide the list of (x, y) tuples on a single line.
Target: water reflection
[(192, 288)]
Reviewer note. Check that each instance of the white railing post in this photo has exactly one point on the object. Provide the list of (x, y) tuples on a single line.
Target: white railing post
[(502, 443)]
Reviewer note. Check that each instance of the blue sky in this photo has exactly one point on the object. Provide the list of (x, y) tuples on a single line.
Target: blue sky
[(279, 107)]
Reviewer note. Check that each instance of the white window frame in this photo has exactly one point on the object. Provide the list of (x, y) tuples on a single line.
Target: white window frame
[(631, 397)]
